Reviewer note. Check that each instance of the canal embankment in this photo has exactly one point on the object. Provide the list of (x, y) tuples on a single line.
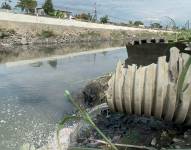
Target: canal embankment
[(20, 29)]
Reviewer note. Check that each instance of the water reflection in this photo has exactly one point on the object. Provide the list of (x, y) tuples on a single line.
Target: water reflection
[(104, 53), (37, 64), (53, 63), (38, 51)]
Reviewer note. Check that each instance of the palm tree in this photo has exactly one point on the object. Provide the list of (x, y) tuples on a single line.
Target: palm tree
[(5, 4), (27, 5)]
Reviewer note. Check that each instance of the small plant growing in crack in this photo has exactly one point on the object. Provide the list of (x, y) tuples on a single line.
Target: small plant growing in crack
[(83, 115)]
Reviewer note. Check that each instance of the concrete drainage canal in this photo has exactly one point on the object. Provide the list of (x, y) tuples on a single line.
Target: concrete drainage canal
[(147, 104)]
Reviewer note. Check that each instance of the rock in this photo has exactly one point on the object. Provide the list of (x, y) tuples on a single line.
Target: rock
[(24, 41), (2, 121), (92, 145), (94, 91), (187, 134), (116, 138), (154, 141), (187, 49), (177, 147), (165, 139), (176, 140)]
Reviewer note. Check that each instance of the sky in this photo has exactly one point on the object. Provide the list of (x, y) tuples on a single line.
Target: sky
[(148, 11)]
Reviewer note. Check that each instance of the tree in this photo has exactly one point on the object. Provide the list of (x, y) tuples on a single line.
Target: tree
[(48, 7), (104, 19), (27, 5), (138, 23), (156, 25), (130, 22), (84, 16), (5, 5)]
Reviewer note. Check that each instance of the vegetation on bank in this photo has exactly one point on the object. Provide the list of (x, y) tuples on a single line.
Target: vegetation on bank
[(46, 34), (179, 36), (6, 33), (85, 17)]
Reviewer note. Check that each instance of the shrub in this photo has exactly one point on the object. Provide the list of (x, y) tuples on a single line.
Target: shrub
[(104, 19), (47, 33), (137, 23), (156, 25), (84, 16)]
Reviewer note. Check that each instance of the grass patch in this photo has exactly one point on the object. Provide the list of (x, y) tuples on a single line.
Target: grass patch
[(6, 32), (46, 34), (116, 35)]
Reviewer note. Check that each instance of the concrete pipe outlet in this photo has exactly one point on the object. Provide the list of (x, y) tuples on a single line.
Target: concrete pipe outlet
[(153, 90)]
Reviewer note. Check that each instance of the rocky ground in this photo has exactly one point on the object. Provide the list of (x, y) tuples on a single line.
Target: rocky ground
[(135, 130), (129, 129)]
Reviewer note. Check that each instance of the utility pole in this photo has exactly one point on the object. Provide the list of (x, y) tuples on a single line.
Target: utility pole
[(188, 24), (95, 12)]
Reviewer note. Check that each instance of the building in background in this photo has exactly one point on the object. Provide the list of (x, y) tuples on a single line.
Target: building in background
[(39, 11)]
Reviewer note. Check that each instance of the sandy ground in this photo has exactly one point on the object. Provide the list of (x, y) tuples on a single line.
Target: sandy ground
[(5, 16)]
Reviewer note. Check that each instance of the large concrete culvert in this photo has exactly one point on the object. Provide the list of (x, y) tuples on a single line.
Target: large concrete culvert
[(152, 90)]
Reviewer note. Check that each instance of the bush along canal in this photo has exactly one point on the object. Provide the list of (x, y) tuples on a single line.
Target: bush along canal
[(137, 107)]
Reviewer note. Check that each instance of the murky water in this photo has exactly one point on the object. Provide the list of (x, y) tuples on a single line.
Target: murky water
[(32, 95)]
